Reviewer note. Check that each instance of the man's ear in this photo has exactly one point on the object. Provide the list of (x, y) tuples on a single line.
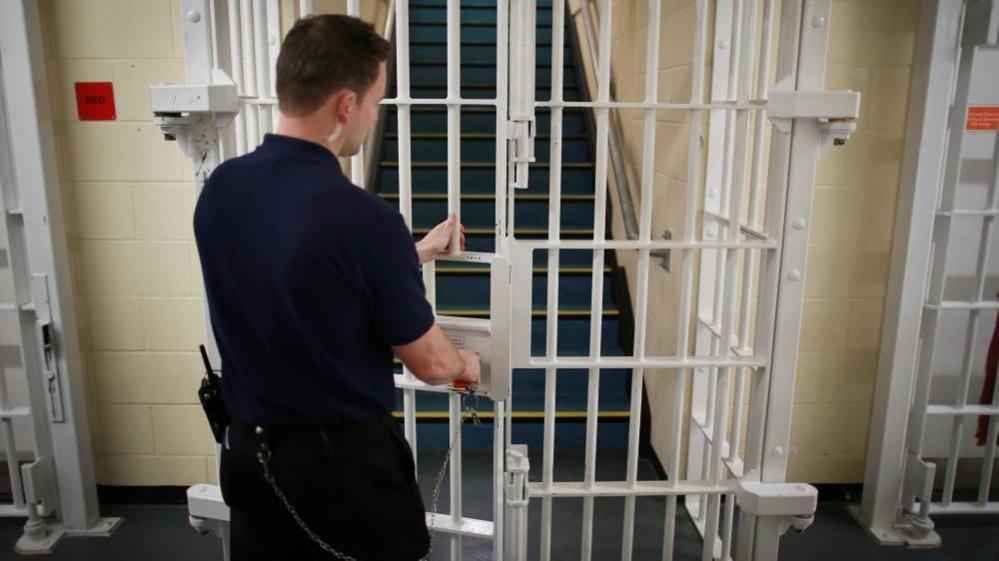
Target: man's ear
[(345, 106)]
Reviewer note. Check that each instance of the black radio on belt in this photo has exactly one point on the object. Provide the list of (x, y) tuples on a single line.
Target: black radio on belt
[(210, 395)]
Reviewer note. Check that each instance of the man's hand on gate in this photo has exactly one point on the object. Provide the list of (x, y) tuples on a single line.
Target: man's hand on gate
[(438, 240), (473, 367)]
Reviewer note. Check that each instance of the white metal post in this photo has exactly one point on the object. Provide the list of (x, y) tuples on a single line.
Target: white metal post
[(49, 305), (934, 69), (552, 302), (642, 285), (602, 116)]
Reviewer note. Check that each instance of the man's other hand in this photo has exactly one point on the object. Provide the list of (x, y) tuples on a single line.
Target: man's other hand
[(473, 367), (438, 240)]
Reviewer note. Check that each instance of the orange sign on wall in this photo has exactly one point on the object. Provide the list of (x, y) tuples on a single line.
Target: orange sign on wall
[(983, 118)]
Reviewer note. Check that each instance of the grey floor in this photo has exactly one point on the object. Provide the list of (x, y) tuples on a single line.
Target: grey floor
[(161, 532)]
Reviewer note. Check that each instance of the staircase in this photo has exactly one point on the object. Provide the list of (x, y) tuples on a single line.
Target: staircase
[(463, 289)]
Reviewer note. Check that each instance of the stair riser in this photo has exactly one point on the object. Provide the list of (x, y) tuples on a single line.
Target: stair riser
[(477, 214), (480, 122), (472, 292), (482, 181), (480, 150)]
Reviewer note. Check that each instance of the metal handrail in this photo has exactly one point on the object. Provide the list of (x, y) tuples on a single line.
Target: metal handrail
[(628, 212)]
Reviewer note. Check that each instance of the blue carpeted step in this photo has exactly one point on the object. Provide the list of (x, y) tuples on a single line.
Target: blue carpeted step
[(573, 331), (469, 14), (472, 291), (479, 75), (577, 179), (480, 121), (432, 147), (469, 32), (480, 213), (474, 51), (529, 391), (569, 434)]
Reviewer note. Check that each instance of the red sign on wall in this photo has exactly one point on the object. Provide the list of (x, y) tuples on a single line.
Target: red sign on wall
[(983, 118), (95, 101)]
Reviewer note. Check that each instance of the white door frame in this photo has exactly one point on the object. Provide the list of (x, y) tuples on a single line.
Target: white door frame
[(59, 481), (768, 506), (899, 477)]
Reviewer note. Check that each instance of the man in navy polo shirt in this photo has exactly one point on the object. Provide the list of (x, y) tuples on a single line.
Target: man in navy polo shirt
[(312, 286)]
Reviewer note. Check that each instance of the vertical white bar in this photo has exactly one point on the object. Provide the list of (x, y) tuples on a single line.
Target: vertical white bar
[(731, 204), (642, 289), (554, 233), (502, 107), (251, 111), (694, 177), (988, 225), (702, 379), (405, 173), (236, 59), (9, 444), (454, 420), (357, 166), (499, 460), (273, 49), (454, 117), (502, 110), (596, 299), (262, 65), (306, 8)]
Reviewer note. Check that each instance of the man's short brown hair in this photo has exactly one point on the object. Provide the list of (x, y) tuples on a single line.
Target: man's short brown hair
[(323, 54)]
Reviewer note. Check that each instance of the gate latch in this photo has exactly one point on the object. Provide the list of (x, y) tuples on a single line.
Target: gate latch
[(836, 111), (795, 503)]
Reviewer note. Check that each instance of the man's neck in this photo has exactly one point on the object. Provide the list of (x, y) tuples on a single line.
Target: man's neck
[(308, 129)]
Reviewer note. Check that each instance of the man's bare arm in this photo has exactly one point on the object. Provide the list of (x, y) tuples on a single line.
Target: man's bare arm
[(434, 360)]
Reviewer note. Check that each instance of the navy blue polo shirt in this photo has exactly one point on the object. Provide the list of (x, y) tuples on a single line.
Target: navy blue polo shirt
[(310, 281)]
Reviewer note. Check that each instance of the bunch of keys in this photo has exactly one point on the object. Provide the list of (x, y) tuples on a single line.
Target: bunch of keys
[(470, 391)]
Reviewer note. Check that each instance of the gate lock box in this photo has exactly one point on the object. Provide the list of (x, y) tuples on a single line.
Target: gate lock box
[(490, 338)]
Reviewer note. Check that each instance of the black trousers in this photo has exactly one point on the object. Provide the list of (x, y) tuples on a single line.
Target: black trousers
[(354, 485)]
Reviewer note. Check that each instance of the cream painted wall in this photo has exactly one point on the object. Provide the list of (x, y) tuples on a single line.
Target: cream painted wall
[(870, 51), (129, 200)]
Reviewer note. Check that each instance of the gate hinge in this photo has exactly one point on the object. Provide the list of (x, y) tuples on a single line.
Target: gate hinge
[(837, 111), (192, 114), (517, 466), (521, 135), (45, 332), (795, 503)]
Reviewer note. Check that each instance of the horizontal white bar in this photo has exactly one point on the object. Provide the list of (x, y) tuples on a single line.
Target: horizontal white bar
[(477, 102), (647, 362), (11, 511), (469, 527), (965, 410), (405, 383), (734, 466), (15, 412), (751, 106), (205, 501), (651, 244), (967, 213), (965, 508), (428, 101), (625, 489), (709, 433), (957, 305), (746, 230)]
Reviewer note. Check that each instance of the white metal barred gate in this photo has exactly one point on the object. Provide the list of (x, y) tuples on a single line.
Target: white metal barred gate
[(941, 307), (753, 199)]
